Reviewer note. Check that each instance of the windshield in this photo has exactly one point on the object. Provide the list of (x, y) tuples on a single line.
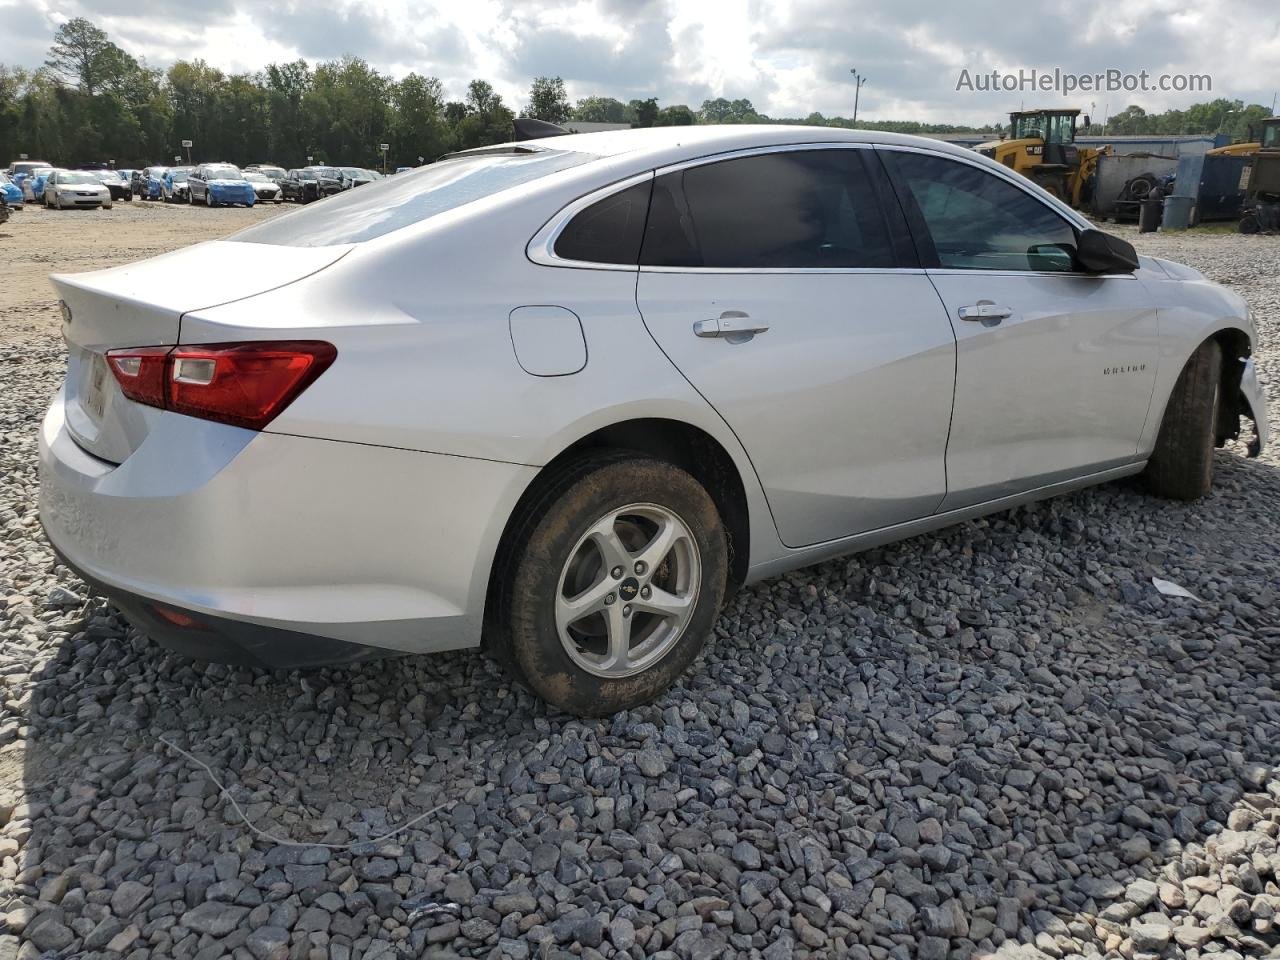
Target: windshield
[(29, 166), (387, 205), (1051, 128), (354, 172), (227, 172), (178, 176), (332, 172), (1271, 136), (76, 176), (253, 176)]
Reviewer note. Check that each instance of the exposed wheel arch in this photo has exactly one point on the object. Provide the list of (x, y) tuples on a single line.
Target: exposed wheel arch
[(688, 447), (1235, 347)]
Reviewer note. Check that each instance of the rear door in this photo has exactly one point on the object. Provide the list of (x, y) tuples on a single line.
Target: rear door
[(782, 287), (1055, 366)]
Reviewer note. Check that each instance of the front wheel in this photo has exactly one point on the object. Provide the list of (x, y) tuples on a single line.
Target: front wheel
[(1181, 466), (613, 584)]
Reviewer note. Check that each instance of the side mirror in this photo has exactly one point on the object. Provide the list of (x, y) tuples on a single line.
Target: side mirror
[(1099, 252)]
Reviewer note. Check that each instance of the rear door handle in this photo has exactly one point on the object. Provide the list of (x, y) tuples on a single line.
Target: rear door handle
[(728, 324), (985, 310)]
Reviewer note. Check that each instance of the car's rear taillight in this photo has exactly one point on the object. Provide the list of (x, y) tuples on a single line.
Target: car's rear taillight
[(243, 384)]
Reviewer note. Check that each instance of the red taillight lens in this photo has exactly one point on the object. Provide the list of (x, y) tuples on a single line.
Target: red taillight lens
[(244, 384), (140, 372)]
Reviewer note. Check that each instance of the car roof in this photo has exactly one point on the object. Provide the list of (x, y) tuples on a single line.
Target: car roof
[(671, 144)]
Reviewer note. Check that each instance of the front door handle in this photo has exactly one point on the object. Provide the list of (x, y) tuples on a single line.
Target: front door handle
[(731, 323), (985, 311)]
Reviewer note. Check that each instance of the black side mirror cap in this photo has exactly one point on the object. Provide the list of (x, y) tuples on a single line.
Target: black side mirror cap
[(1100, 252)]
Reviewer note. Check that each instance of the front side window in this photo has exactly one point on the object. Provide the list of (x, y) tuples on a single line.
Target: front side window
[(978, 221), (795, 209)]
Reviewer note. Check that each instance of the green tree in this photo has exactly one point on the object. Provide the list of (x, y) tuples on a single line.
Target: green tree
[(721, 110), (600, 110), (349, 108), (419, 127), (677, 115), (288, 126), (487, 119), (645, 112), (547, 100), (81, 53)]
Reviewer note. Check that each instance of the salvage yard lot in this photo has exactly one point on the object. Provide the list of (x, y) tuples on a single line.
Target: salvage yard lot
[(999, 737)]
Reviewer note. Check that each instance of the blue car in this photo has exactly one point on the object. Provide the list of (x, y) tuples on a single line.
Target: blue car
[(219, 183), (11, 192), (153, 183), (33, 184)]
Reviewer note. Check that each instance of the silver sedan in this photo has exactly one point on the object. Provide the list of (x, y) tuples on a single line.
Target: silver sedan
[(75, 188), (559, 398)]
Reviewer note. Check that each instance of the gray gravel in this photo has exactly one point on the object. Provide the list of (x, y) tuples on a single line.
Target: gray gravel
[(999, 738)]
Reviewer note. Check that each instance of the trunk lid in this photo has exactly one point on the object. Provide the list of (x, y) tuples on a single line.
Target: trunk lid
[(142, 305)]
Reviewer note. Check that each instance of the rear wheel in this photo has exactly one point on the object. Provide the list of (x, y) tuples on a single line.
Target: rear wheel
[(1181, 466), (612, 585)]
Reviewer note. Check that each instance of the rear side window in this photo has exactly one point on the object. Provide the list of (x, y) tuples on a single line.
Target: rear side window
[(608, 231), (801, 209), (396, 202), (977, 221)]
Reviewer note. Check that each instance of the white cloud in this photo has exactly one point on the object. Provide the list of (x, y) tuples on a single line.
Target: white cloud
[(787, 56)]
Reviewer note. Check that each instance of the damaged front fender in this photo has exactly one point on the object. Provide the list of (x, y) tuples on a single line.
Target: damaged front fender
[(1254, 404)]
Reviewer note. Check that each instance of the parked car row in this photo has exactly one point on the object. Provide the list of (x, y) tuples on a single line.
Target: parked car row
[(211, 184)]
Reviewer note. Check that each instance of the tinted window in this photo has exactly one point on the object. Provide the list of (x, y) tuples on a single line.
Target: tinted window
[(794, 209), (387, 205), (608, 231), (977, 221)]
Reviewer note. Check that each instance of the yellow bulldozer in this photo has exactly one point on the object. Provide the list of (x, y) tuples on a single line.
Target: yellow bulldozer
[(1042, 147)]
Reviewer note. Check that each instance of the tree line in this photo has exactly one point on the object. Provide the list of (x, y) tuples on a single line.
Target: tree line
[(93, 102)]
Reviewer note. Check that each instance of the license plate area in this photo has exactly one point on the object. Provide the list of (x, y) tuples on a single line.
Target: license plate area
[(94, 392)]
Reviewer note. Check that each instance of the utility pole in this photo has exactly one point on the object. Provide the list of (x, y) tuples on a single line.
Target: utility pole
[(858, 80)]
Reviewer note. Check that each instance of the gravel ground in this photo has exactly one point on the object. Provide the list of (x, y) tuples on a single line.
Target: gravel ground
[(996, 739)]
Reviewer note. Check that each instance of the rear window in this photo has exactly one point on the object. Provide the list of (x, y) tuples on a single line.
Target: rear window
[(391, 204)]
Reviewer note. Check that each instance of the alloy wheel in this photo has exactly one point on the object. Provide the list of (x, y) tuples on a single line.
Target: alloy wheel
[(628, 590)]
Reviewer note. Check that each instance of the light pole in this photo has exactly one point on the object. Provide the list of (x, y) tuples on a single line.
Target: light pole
[(858, 80)]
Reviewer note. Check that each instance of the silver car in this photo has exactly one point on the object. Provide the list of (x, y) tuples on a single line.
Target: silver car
[(76, 188), (559, 398)]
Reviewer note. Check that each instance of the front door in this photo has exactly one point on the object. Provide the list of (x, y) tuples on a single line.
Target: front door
[(1055, 367)]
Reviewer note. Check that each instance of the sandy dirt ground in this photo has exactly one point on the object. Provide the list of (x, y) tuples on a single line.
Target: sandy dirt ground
[(36, 242)]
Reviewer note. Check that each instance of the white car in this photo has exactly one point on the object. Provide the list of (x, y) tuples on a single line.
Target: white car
[(264, 188), (76, 188), (560, 397)]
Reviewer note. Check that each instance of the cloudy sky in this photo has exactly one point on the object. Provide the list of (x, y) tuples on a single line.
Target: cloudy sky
[(788, 57)]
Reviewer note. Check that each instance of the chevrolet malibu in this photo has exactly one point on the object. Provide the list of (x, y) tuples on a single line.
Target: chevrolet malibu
[(559, 398)]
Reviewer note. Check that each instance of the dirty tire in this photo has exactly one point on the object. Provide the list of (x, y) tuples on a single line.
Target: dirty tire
[(526, 639), (1181, 466)]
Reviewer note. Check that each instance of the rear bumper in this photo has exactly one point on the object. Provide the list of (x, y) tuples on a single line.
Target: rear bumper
[(284, 550), (205, 637)]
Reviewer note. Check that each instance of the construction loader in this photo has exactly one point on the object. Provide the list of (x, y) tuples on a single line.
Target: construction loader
[(1041, 146)]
